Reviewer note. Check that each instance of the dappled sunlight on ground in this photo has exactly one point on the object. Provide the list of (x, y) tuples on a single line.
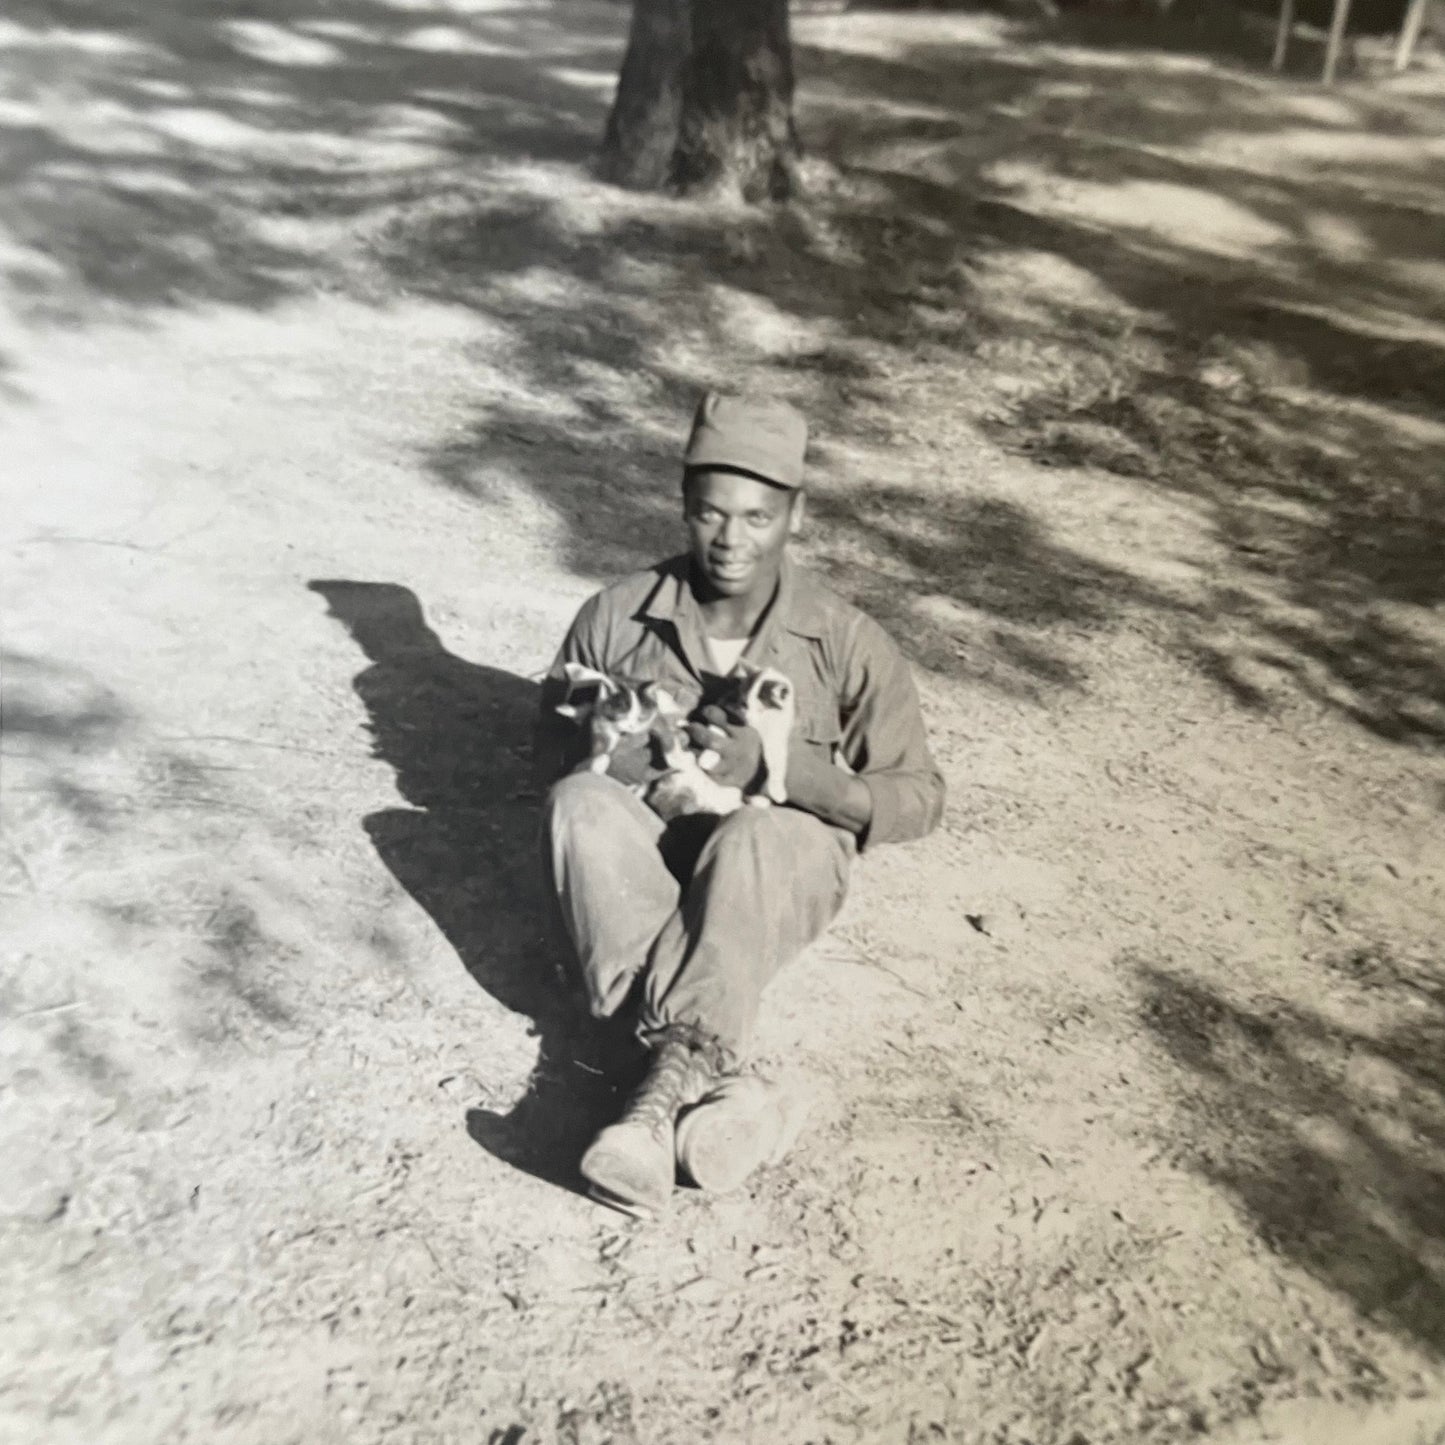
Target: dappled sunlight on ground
[(333, 382), (153, 146)]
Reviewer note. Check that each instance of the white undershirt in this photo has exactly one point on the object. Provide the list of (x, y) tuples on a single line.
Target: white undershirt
[(726, 651)]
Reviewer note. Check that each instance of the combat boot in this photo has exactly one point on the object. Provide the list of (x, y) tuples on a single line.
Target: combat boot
[(740, 1125), (631, 1165)]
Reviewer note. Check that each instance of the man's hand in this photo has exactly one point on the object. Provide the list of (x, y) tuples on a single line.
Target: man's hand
[(631, 763), (738, 747)]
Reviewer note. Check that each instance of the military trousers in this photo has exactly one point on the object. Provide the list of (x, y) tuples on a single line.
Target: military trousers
[(697, 915)]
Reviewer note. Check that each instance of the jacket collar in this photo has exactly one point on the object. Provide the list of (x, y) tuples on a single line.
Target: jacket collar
[(798, 606)]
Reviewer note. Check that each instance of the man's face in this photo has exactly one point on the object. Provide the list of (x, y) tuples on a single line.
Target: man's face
[(738, 528)]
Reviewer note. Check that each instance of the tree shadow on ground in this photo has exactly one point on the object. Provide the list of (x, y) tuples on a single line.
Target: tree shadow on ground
[(926, 564), (1327, 1136), (1242, 31), (1275, 366), (53, 705), (159, 152), (458, 736), (1237, 31), (982, 259), (82, 777), (602, 453), (53, 716)]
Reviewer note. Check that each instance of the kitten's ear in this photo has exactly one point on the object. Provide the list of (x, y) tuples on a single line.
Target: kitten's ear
[(779, 688), (752, 680), (580, 676), (582, 679)]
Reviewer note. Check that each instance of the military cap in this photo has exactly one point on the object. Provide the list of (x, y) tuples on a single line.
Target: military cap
[(761, 436)]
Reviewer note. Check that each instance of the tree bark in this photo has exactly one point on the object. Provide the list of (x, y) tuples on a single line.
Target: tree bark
[(737, 129), (705, 100), (641, 136)]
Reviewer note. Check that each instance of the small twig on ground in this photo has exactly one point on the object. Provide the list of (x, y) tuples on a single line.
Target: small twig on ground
[(23, 866), (865, 962), (50, 1008), (249, 743), (905, 1117), (154, 547), (442, 1270), (689, 1283), (911, 987), (94, 542), (315, 1229)]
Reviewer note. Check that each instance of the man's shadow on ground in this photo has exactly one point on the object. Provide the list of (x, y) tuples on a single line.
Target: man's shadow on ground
[(459, 737)]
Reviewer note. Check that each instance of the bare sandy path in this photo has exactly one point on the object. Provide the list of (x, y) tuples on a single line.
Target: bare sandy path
[(1130, 1095)]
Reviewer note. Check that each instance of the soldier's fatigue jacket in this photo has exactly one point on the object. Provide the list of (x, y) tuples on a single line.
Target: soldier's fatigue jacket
[(855, 695)]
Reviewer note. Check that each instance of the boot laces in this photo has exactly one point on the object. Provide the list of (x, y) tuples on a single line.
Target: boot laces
[(679, 1076)]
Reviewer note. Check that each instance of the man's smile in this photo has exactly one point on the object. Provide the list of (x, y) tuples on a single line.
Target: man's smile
[(731, 567)]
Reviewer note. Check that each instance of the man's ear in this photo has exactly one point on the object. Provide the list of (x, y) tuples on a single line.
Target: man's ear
[(797, 509)]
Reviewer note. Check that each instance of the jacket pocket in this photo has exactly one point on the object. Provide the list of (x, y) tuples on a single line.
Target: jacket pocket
[(818, 727)]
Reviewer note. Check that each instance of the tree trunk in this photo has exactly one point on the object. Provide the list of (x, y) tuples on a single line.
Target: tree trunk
[(705, 100), (737, 129), (641, 135)]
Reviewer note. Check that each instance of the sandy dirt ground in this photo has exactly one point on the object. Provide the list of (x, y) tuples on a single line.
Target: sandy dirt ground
[(330, 384)]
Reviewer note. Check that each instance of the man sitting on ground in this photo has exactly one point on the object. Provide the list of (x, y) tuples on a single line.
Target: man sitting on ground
[(693, 922)]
